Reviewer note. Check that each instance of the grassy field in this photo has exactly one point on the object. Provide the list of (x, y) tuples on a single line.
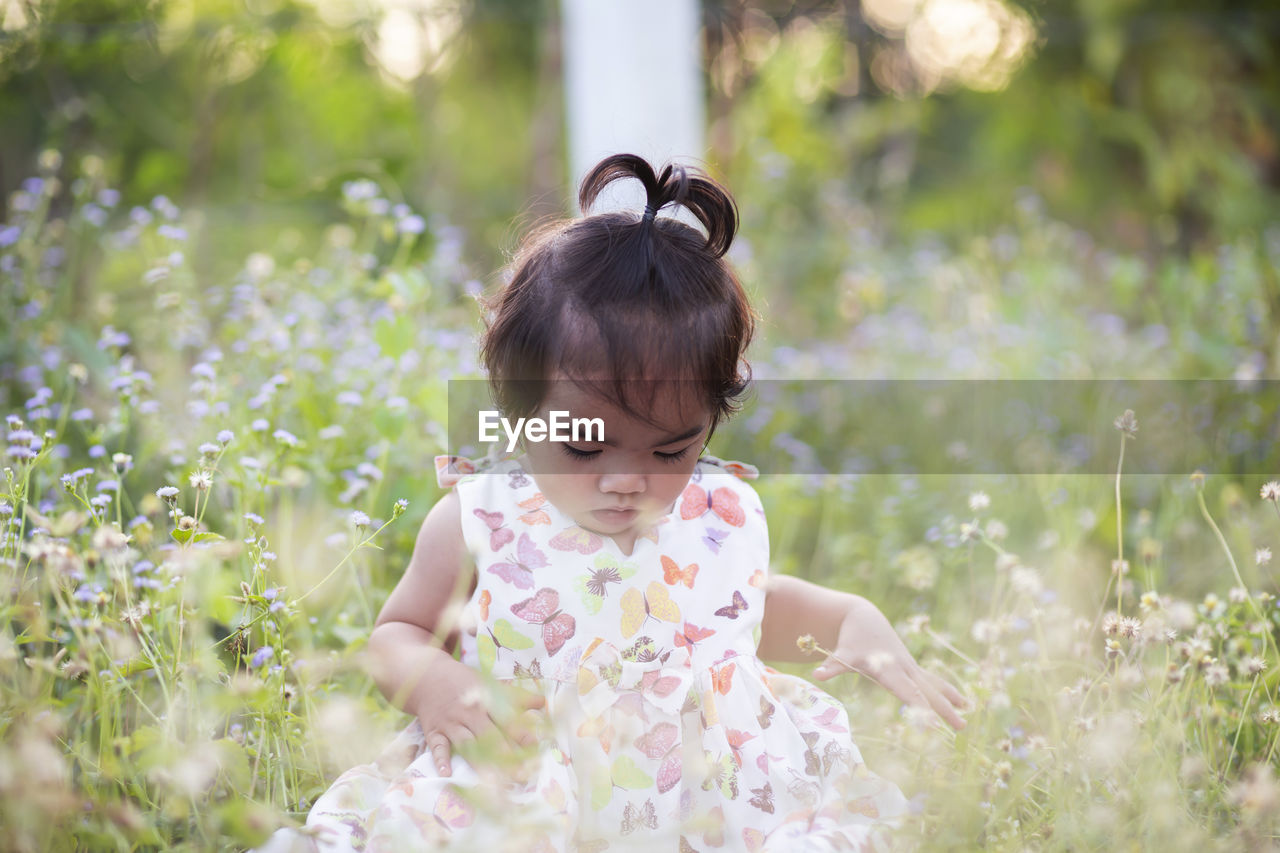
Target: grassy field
[(211, 486)]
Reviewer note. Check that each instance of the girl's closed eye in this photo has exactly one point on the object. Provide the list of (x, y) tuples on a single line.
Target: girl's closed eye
[(673, 458)]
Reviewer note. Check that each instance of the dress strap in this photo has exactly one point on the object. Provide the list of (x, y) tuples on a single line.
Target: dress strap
[(451, 469), (741, 470)]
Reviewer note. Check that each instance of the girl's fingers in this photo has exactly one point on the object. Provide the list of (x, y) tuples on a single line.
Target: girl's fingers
[(947, 689), (439, 746), (940, 705)]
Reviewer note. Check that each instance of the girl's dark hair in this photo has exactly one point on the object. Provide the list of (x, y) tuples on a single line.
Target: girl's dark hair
[(630, 295)]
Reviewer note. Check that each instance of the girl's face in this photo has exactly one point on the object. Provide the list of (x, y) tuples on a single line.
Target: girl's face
[(620, 486)]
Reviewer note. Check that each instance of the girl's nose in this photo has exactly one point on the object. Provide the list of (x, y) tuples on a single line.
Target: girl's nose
[(622, 482)]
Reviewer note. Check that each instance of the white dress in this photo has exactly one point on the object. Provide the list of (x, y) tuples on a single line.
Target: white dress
[(664, 731)]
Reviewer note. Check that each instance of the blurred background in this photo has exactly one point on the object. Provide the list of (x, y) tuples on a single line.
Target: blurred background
[(1151, 126)]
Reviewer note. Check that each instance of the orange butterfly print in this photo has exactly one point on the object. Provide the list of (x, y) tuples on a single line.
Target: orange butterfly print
[(722, 678), (696, 502), (486, 598), (533, 510), (673, 574), (692, 635), (736, 739)]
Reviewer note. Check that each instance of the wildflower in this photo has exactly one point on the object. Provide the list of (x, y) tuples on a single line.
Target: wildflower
[(969, 531), (101, 501), (1173, 673), (1127, 424), (186, 523), (1110, 624), (1212, 607), (985, 631), (806, 644), (978, 501), (260, 425), (168, 494), (201, 480), (996, 530), (1150, 601), (225, 437), (359, 519), (1216, 673), (1004, 771), (1254, 665), (1271, 491), (261, 656), (1262, 556), (1006, 562), (1112, 649), (1120, 567), (209, 449), (253, 518), (121, 462), (401, 505), (1238, 595), (1129, 627), (412, 224), (270, 594), (285, 437), (1270, 715)]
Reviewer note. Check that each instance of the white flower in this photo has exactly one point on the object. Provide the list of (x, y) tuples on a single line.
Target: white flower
[(1271, 491), (359, 519), (1262, 556), (979, 501), (201, 480)]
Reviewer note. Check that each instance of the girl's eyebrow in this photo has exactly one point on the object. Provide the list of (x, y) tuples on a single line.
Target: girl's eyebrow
[(689, 433)]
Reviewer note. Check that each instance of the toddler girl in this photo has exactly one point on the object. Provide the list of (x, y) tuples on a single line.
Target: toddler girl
[(611, 598)]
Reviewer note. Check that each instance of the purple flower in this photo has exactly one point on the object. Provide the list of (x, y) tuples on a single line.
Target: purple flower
[(270, 594), (261, 656)]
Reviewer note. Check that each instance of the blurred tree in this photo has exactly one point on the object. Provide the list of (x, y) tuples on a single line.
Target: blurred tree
[(1150, 122)]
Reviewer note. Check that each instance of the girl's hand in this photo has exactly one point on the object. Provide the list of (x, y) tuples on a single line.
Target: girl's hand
[(459, 707), (868, 645)]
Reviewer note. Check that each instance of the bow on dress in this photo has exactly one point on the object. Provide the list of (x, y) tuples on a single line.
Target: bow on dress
[(606, 679)]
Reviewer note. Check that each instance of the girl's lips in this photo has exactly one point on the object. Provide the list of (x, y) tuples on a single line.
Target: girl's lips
[(616, 514)]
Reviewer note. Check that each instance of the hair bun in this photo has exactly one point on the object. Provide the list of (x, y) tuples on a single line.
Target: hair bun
[(691, 189)]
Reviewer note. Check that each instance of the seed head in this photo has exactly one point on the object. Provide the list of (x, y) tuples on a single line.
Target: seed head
[(807, 644), (1271, 491), (1127, 424)]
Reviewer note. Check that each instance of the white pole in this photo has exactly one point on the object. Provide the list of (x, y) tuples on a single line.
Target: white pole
[(633, 84)]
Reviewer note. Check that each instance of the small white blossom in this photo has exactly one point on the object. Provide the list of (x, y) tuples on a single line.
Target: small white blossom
[(978, 501), (1262, 556), (359, 519)]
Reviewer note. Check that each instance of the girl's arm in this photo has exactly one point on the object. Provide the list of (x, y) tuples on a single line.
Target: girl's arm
[(855, 631), (410, 650)]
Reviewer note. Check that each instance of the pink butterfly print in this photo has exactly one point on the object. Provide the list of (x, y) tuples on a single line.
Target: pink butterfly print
[(736, 739), (696, 502), (576, 539), (827, 720), (518, 479), (762, 761), (715, 538), (499, 533), (734, 609), (662, 744), (544, 609), (520, 572), (658, 684)]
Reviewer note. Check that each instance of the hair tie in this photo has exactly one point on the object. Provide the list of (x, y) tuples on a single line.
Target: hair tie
[(649, 212)]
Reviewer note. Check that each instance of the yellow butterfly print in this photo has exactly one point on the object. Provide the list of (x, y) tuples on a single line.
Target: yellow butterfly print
[(653, 603)]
